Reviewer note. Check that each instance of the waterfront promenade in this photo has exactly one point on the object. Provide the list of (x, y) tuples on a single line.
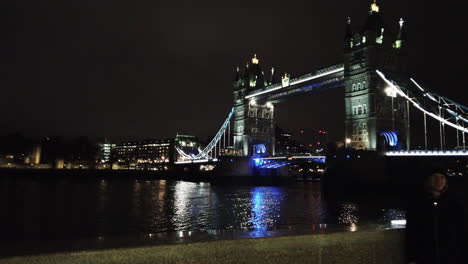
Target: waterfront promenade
[(368, 246)]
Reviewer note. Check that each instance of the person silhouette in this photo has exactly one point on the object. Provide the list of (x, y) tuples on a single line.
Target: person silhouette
[(435, 230)]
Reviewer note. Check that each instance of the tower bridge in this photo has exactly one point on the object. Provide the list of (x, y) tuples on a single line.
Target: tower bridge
[(378, 95)]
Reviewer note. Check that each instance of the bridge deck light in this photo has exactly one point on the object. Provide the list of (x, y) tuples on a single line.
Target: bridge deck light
[(390, 91)]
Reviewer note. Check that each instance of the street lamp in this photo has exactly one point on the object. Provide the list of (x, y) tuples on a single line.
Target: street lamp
[(347, 141)]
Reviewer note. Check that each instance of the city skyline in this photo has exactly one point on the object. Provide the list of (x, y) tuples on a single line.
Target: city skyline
[(154, 71)]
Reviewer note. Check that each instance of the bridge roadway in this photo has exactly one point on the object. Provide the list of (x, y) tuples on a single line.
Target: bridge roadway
[(286, 160), (330, 77)]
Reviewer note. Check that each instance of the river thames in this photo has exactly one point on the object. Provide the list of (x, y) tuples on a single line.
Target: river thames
[(77, 208), (38, 211)]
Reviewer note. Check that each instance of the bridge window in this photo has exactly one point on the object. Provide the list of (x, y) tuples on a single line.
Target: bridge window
[(267, 115), (359, 86), (365, 108), (354, 87), (259, 113), (251, 113), (359, 109), (364, 85)]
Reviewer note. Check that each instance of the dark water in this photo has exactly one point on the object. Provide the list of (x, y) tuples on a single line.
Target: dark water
[(39, 210)]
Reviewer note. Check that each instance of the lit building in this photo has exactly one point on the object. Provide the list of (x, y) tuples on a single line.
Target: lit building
[(148, 154), (105, 149)]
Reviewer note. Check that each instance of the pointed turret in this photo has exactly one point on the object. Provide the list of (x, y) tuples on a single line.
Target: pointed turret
[(401, 36), (254, 59), (254, 74), (348, 35), (373, 29), (374, 7), (272, 76), (237, 77), (260, 80)]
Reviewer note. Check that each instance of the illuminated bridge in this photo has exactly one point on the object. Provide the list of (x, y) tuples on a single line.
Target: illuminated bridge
[(381, 101)]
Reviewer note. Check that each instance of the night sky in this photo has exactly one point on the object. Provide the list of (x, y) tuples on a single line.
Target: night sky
[(150, 69)]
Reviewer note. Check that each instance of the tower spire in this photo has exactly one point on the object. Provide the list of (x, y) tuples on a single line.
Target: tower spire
[(254, 59), (349, 32), (374, 7), (348, 35), (401, 37), (237, 77), (272, 75)]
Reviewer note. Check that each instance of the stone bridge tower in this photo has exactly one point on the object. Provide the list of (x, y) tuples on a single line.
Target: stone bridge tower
[(253, 125), (375, 118)]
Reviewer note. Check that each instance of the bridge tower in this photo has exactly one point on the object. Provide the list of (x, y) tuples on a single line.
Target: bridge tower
[(253, 125), (375, 118)]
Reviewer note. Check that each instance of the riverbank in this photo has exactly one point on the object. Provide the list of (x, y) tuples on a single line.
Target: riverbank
[(369, 246)]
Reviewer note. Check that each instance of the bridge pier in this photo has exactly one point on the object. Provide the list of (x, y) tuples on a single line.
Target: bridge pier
[(244, 170)]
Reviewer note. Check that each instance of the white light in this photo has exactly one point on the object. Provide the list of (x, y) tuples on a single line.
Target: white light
[(317, 76), (398, 222), (272, 158), (308, 157), (428, 153), (389, 91), (465, 130), (294, 157), (296, 82), (417, 85), (269, 105), (252, 102)]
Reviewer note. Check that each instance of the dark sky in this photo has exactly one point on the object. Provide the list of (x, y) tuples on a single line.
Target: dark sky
[(148, 68)]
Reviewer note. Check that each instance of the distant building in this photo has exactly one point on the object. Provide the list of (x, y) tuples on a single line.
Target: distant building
[(104, 152), (286, 145), (148, 154)]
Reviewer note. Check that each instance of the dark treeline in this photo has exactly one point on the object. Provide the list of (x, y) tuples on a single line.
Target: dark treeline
[(52, 148)]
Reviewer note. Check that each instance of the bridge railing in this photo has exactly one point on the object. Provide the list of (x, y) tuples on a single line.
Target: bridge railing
[(297, 80), (434, 106), (213, 149)]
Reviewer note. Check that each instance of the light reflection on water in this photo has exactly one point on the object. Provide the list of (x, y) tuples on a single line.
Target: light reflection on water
[(101, 208), (266, 206)]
